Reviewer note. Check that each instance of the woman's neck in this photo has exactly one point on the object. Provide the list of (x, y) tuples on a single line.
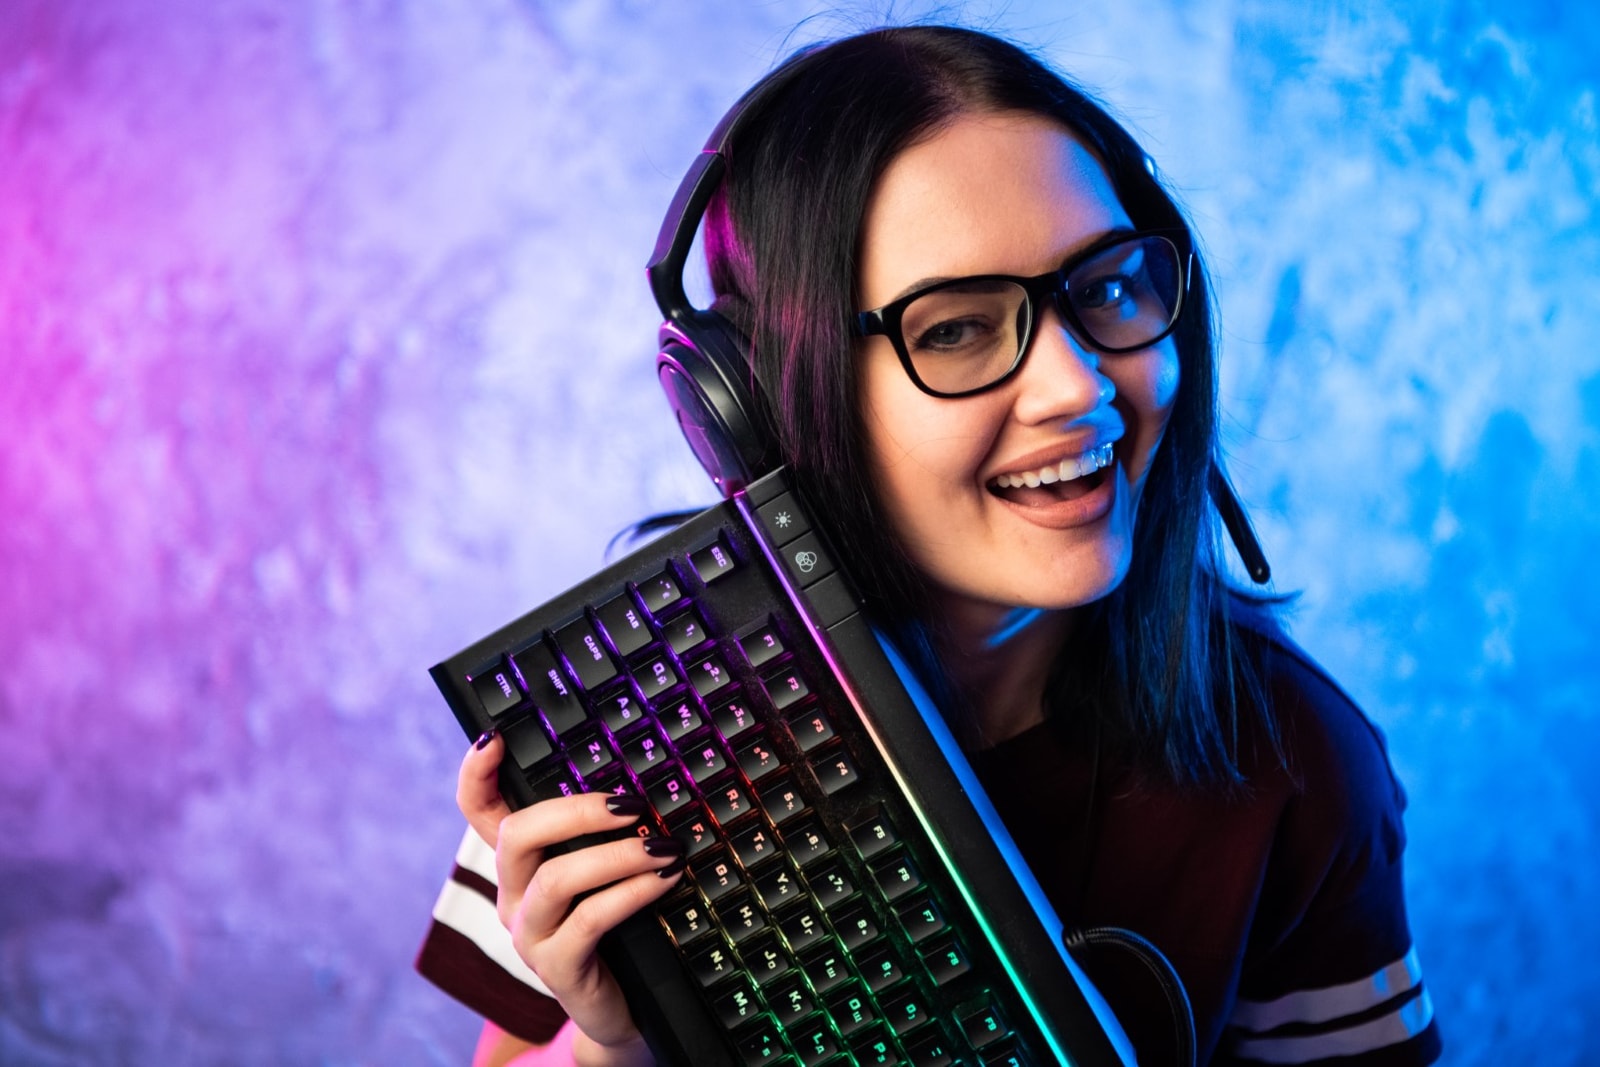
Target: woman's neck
[(1000, 660)]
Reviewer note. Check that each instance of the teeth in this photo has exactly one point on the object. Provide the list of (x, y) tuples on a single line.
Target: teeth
[(1065, 471)]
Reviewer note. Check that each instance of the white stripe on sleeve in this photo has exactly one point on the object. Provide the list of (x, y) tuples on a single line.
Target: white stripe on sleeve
[(1331, 1002), (1404, 1023), (476, 856), (470, 913)]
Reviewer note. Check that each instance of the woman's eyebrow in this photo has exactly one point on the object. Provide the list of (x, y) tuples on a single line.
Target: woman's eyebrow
[(1077, 250)]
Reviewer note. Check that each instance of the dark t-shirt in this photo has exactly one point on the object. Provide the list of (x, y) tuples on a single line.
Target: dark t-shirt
[(1281, 909)]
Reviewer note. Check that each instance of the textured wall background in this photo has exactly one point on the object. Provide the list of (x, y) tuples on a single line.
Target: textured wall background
[(324, 349)]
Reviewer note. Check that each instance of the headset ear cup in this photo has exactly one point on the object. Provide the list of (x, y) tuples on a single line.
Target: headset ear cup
[(705, 373)]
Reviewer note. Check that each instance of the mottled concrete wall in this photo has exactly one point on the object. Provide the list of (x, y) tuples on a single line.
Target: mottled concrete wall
[(324, 349)]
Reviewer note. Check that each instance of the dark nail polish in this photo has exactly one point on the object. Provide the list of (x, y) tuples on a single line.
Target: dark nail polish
[(483, 742), (673, 868), (626, 804), (663, 846)]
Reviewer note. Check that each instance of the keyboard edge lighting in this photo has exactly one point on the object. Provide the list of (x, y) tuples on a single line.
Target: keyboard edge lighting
[(959, 764)]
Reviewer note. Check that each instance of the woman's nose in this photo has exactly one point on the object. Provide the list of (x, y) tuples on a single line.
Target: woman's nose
[(1060, 376)]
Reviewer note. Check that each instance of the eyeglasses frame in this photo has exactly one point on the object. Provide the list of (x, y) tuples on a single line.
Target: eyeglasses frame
[(886, 320)]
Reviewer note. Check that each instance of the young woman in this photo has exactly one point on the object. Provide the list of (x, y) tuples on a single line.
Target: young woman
[(983, 333)]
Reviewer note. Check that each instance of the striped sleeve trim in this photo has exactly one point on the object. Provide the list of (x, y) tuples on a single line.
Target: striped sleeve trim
[(1332, 1002), (467, 909), (1401, 1025)]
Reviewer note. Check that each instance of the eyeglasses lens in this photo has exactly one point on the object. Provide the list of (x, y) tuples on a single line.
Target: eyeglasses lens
[(969, 333), (1125, 297)]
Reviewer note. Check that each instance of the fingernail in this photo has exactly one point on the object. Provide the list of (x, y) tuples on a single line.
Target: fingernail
[(673, 868), (663, 846), (626, 804), (483, 742)]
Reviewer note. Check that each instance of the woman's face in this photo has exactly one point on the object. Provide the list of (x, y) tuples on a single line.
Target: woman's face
[(1006, 193)]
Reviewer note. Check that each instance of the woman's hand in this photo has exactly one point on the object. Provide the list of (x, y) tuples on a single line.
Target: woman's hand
[(556, 937)]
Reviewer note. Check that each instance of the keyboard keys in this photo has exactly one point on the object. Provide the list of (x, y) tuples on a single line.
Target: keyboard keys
[(874, 1048), (713, 963), (660, 592), (497, 689), (930, 1050), (778, 885), (806, 560), (697, 832), (704, 759), (753, 844), (655, 676), (740, 916), (826, 970), (590, 751), (921, 919), (786, 689), (760, 1042), (984, 1026), (811, 728), (835, 770), (803, 927), (782, 800), (904, 1009), (782, 519), (851, 1009), (873, 834), (757, 759), (549, 689), (620, 709), (896, 877), (687, 919), (709, 675), (805, 841), (814, 1041), (946, 960), (727, 801), (527, 743), (803, 918), (762, 647), (624, 624), (831, 883), (685, 632), (765, 959), (735, 1003), (733, 718), (558, 782), (681, 718), (669, 793), (856, 926), (716, 875), (645, 750), (790, 998), (880, 968), (712, 561), (583, 649)]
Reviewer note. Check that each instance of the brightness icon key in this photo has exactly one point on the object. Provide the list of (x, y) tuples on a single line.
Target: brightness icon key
[(782, 519)]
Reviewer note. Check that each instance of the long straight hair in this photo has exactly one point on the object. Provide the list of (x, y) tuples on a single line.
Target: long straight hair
[(1152, 668)]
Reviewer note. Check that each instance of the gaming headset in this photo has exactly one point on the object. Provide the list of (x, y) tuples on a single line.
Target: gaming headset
[(704, 366)]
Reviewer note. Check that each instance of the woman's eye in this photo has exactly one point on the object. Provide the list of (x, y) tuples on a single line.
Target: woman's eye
[(1101, 293), (950, 335)]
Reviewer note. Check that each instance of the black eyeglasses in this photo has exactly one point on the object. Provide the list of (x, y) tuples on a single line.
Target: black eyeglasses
[(966, 335)]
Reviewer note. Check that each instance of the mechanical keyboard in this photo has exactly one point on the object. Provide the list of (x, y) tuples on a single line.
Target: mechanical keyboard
[(850, 896)]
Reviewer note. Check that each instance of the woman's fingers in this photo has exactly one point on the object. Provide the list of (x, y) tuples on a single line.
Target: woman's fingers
[(607, 872), (478, 787), (525, 835)]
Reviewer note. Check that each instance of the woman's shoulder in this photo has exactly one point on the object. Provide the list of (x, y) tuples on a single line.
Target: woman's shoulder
[(1335, 758)]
